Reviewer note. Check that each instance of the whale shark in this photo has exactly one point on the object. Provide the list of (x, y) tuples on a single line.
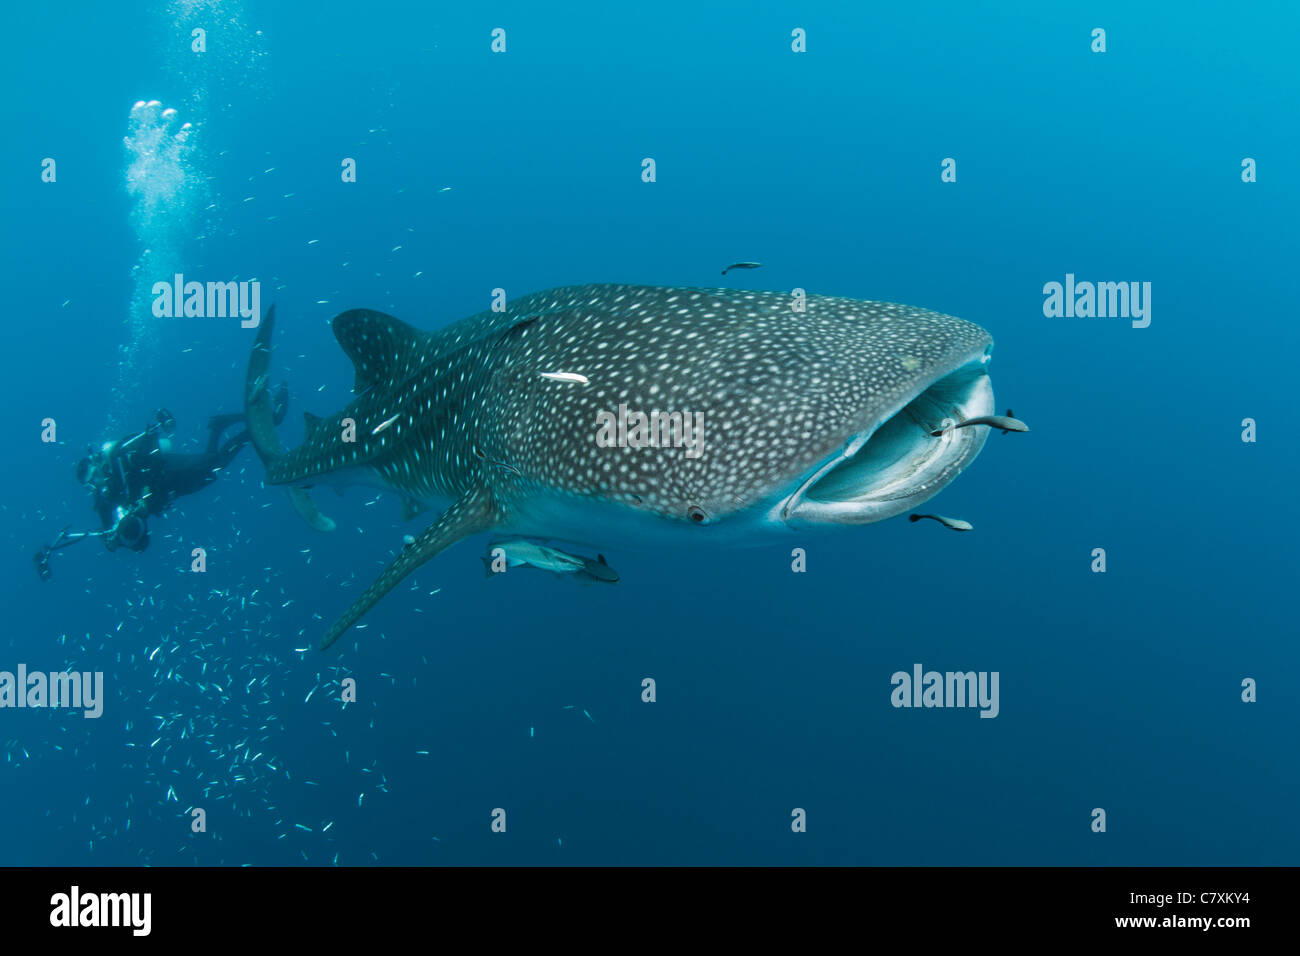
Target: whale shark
[(819, 411)]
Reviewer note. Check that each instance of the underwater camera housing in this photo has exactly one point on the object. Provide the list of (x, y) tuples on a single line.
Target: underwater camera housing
[(132, 532), (166, 421)]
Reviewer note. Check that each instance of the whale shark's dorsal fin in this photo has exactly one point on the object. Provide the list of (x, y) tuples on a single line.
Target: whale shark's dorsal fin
[(380, 346), (310, 421)]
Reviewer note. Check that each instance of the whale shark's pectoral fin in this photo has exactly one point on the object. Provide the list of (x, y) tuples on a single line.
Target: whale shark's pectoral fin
[(305, 507), (471, 514)]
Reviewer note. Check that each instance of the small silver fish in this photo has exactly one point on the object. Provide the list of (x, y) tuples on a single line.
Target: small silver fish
[(742, 265)]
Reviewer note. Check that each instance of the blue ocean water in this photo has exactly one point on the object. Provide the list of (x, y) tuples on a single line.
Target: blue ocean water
[(1119, 690)]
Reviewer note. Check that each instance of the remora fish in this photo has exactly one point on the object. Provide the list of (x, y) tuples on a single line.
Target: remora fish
[(1004, 423), (815, 418), (956, 524), (521, 552)]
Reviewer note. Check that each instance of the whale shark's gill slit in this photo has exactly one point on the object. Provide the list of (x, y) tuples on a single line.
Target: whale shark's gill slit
[(516, 329), (482, 456), (514, 332)]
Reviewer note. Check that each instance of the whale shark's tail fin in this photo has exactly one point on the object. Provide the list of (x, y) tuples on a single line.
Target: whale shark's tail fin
[(472, 513), (259, 415)]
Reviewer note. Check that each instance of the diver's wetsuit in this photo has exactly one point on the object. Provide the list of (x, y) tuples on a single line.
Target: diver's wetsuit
[(186, 474), (133, 478), (137, 476), (140, 471)]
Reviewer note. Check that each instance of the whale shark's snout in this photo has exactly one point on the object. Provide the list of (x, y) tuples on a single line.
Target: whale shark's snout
[(848, 413)]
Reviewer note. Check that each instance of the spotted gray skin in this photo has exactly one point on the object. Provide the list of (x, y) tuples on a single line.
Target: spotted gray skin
[(815, 417)]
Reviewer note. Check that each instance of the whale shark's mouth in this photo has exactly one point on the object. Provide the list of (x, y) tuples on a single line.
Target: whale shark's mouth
[(898, 463)]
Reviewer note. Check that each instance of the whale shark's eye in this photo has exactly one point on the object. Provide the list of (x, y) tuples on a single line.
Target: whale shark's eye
[(697, 514)]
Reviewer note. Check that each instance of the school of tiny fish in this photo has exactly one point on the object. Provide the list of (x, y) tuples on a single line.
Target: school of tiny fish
[(212, 694)]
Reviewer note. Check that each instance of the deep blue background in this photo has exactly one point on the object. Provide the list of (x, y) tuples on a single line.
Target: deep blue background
[(1118, 690)]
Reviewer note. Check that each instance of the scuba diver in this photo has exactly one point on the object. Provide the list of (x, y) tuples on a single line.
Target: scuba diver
[(138, 476)]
